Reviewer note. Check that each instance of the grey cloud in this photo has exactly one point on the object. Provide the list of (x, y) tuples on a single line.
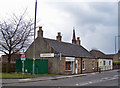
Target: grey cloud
[(95, 23)]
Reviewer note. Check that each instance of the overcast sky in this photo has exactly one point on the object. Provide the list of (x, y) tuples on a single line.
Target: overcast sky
[(95, 22)]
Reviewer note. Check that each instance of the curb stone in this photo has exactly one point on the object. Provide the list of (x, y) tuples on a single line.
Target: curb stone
[(36, 80)]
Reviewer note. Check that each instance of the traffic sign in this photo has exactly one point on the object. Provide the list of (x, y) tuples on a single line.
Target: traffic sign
[(57, 55), (23, 57)]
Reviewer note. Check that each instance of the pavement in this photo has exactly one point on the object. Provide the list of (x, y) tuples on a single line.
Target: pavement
[(45, 78), (11, 81)]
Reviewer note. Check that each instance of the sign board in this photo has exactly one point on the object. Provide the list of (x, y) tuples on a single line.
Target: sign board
[(57, 55), (23, 57), (47, 55), (70, 58), (119, 57)]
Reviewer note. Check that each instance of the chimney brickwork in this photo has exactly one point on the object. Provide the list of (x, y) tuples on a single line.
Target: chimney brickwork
[(40, 32), (78, 41), (59, 37)]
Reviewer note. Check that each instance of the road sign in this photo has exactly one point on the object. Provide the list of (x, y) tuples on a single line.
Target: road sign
[(47, 55), (57, 55), (23, 57)]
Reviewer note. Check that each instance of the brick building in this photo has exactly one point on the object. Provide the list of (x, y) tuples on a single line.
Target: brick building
[(63, 58), (13, 58)]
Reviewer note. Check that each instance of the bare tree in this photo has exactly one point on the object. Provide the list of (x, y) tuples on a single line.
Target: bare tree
[(15, 35)]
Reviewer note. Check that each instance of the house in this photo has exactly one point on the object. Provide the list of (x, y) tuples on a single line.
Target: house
[(4, 58), (63, 58), (116, 60), (116, 57), (104, 61), (4, 62)]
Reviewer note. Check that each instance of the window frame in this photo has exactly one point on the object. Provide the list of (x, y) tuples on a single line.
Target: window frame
[(104, 63), (67, 66), (83, 65)]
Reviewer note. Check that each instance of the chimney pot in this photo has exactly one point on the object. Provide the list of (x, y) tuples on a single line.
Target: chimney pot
[(40, 32), (59, 34), (78, 41), (40, 28), (59, 37)]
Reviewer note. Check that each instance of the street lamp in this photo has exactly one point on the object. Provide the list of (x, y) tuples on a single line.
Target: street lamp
[(34, 39), (115, 42)]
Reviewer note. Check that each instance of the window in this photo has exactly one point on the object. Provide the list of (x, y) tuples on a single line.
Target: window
[(0, 59), (109, 62), (103, 62), (100, 63), (93, 64), (68, 65), (83, 65)]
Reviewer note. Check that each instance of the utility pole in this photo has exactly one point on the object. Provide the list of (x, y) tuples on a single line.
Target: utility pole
[(34, 39), (116, 38), (115, 44)]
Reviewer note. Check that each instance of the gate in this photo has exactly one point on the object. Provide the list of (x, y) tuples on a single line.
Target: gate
[(41, 66)]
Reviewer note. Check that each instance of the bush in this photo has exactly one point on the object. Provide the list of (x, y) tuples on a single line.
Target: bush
[(116, 63)]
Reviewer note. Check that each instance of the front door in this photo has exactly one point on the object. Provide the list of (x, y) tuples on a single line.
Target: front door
[(76, 66)]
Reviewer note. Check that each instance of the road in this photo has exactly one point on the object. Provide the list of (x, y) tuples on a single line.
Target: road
[(107, 78)]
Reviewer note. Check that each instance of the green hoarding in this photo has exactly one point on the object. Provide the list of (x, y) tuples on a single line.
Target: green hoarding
[(41, 66)]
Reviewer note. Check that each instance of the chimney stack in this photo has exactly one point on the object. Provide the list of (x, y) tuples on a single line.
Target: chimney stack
[(78, 41), (59, 37), (40, 32)]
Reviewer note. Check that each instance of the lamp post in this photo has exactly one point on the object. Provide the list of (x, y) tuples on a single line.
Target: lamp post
[(34, 40), (115, 42)]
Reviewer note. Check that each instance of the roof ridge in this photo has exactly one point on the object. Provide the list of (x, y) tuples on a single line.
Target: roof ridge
[(69, 48)]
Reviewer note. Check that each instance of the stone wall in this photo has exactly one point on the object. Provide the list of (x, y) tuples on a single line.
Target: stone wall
[(88, 65), (40, 47)]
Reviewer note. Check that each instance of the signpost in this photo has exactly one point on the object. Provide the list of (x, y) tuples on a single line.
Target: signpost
[(23, 58)]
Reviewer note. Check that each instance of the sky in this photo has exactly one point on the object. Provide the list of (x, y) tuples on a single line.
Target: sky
[(95, 21)]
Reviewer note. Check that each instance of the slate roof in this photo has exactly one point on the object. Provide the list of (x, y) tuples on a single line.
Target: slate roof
[(99, 54), (68, 49)]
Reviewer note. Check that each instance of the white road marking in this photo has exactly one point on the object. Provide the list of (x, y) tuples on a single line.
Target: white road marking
[(115, 76), (76, 84), (97, 81), (93, 73), (104, 78), (24, 79), (90, 82)]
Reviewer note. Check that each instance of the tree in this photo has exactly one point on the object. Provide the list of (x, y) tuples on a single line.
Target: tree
[(15, 35)]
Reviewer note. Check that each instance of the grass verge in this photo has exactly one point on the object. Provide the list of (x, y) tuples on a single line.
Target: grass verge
[(18, 75)]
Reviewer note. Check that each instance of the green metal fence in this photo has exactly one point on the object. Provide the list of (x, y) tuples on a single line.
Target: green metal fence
[(41, 66)]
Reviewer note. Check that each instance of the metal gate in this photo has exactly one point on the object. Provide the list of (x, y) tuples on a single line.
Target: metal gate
[(41, 66)]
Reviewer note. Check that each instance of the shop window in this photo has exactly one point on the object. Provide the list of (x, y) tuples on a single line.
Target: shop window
[(68, 66), (83, 65)]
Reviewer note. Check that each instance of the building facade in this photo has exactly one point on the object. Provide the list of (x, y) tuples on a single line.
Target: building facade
[(104, 62), (63, 58)]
